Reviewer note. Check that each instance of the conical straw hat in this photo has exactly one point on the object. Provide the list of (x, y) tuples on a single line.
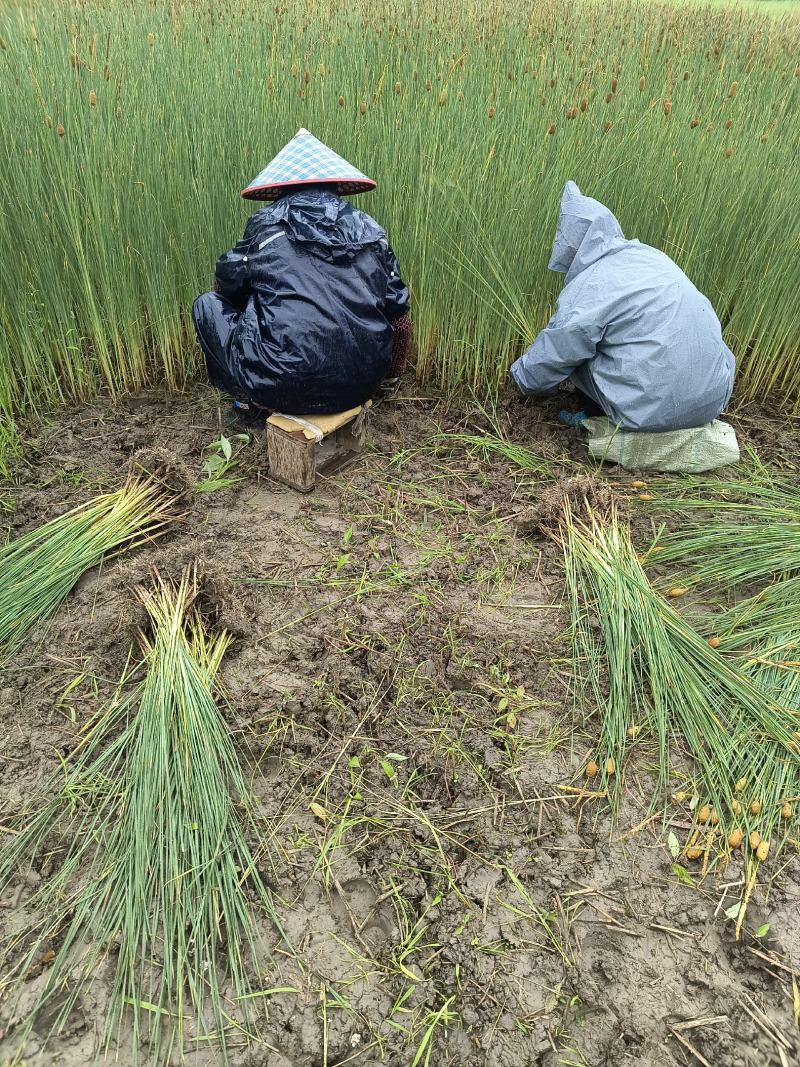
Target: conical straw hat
[(306, 161)]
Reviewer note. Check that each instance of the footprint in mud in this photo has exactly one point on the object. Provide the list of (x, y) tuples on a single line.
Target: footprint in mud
[(356, 904)]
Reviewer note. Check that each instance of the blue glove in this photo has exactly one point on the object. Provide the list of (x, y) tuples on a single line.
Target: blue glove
[(575, 419)]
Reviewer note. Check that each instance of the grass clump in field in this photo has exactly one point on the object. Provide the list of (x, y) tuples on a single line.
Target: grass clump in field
[(151, 824)]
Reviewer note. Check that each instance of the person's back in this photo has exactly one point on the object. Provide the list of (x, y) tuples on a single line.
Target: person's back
[(631, 331), (305, 306)]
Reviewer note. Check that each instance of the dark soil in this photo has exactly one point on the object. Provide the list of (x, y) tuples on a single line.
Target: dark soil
[(399, 662)]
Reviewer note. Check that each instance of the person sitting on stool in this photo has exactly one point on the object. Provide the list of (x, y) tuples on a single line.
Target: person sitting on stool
[(309, 313)]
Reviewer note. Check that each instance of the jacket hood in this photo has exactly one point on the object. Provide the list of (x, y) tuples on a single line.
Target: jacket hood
[(322, 219), (586, 232)]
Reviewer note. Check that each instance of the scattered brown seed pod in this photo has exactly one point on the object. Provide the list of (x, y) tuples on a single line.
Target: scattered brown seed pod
[(735, 838), (762, 851), (592, 770), (754, 839)]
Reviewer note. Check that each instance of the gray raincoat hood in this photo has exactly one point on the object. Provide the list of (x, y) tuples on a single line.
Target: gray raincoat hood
[(630, 330), (586, 232)]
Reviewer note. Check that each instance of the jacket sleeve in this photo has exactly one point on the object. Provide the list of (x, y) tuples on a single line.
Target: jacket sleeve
[(397, 298), (232, 274), (569, 339)]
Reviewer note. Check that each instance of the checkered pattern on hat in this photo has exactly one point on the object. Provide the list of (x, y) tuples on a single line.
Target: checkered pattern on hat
[(305, 161)]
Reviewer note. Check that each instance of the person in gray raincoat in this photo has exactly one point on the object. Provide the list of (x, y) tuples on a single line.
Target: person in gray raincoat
[(309, 313), (640, 343)]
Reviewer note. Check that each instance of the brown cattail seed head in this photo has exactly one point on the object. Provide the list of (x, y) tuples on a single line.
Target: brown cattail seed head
[(74, 61), (60, 130), (609, 97), (641, 84), (728, 153), (362, 107), (414, 76), (551, 129), (611, 766), (106, 72), (341, 101), (786, 810), (572, 113), (735, 838), (552, 83), (92, 98), (733, 88), (704, 814), (694, 853), (606, 127), (714, 818), (442, 98), (592, 770), (667, 106), (728, 124), (398, 88), (736, 807), (427, 86), (614, 84), (584, 103), (762, 851), (763, 138), (754, 839), (714, 642), (755, 807), (306, 77), (686, 75), (151, 39), (491, 112)]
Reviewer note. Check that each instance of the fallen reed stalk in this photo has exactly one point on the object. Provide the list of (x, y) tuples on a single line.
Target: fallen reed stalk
[(39, 569)]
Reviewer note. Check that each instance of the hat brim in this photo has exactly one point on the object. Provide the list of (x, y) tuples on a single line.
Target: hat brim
[(340, 186)]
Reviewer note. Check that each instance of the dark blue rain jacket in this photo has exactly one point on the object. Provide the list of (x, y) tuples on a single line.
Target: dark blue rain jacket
[(630, 330), (302, 320)]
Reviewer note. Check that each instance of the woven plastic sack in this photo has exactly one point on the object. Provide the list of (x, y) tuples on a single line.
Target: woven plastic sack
[(684, 451)]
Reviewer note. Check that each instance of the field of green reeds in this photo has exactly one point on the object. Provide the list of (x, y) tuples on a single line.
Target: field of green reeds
[(127, 131)]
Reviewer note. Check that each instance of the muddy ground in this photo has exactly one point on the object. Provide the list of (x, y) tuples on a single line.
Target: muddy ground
[(400, 662)]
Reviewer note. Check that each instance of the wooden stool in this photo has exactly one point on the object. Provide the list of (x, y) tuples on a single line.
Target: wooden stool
[(301, 446)]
